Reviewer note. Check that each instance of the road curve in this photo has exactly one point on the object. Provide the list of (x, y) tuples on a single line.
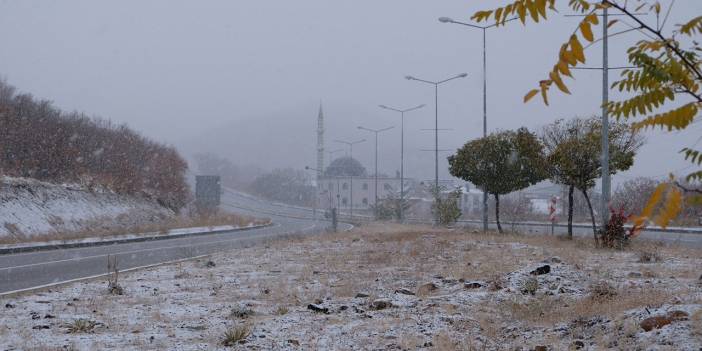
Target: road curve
[(26, 271)]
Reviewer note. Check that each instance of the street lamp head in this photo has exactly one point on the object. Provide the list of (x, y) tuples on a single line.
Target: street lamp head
[(409, 78), (307, 167), (382, 106), (445, 20), (463, 75)]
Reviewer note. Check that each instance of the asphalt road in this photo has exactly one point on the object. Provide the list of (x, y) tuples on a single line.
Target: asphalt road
[(24, 271)]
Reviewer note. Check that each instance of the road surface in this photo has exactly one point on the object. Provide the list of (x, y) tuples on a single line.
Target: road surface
[(24, 271)]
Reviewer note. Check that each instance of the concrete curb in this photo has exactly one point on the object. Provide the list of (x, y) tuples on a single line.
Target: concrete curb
[(14, 250)]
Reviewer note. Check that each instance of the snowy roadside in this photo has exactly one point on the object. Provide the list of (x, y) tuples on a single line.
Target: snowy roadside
[(386, 287), (111, 239)]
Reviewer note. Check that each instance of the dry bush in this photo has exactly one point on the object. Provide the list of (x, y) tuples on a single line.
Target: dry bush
[(236, 335)]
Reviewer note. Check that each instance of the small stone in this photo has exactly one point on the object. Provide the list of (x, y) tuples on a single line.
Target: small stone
[(427, 288), (677, 315), (449, 281), (37, 327), (473, 285), (578, 344), (656, 322), (545, 269), (343, 308), (556, 259), (541, 348), (210, 264), (404, 291), (317, 308), (49, 316), (9, 305), (635, 275), (361, 295), (293, 342), (381, 304)]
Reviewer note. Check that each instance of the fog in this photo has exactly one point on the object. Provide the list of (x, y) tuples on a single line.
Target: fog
[(245, 78)]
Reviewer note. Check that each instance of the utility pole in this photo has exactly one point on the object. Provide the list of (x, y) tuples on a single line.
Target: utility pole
[(402, 154), (376, 131), (436, 125), (484, 30), (606, 180)]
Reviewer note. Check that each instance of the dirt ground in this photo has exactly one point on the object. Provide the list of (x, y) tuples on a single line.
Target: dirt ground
[(382, 287)]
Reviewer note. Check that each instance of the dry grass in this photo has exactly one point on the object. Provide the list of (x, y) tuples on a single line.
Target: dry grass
[(276, 281)]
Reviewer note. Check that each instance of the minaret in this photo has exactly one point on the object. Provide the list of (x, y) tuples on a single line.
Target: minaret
[(320, 142)]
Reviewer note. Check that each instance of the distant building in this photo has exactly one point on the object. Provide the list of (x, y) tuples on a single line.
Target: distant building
[(339, 191)]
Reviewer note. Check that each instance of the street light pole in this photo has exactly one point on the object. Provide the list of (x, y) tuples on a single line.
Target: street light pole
[(436, 122), (376, 131), (350, 144), (484, 29), (402, 153)]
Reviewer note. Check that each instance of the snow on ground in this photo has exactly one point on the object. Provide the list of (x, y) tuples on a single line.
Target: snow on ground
[(381, 288), (29, 207)]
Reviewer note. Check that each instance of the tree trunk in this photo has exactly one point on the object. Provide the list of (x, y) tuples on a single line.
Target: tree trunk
[(497, 213), (570, 212), (592, 215)]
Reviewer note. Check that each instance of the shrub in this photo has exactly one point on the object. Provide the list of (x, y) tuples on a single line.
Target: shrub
[(446, 210), (615, 235), (236, 335)]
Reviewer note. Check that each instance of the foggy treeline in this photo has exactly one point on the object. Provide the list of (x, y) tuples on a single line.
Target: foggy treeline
[(38, 140)]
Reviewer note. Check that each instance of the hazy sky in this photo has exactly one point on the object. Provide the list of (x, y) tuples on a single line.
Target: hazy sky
[(245, 77)]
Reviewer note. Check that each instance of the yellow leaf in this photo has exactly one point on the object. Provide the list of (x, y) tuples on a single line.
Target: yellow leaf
[(577, 49), (530, 95), (671, 207), (559, 83), (586, 30)]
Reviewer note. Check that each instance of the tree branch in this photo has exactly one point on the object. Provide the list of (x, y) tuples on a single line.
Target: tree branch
[(692, 67), (687, 190)]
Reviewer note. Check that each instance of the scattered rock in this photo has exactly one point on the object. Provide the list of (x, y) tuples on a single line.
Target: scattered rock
[(541, 348), (37, 327), (556, 259), (115, 289), (381, 304), (635, 275), (9, 305), (404, 291), (317, 308), (195, 327), (678, 315), (656, 322), (449, 281), (361, 295), (473, 285), (49, 316), (210, 264), (293, 342), (343, 308), (241, 312), (577, 345), (427, 288), (545, 269)]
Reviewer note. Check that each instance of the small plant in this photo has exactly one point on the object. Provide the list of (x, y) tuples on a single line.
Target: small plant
[(446, 209), (615, 235), (236, 335), (602, 291), (81, 326), (649, 256), (530, 286), (113, 287), (281, 310), (241, 312)]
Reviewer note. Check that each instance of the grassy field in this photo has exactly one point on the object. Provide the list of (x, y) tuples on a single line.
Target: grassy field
[(382, 287)]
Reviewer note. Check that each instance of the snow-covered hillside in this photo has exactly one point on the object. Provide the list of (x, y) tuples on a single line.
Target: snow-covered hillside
[(30, 207)]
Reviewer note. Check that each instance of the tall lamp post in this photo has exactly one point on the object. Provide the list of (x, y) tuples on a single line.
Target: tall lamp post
[(376, 131), (436, 121), (350, 145), (402, 152), (316, 193), (484, 29)]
